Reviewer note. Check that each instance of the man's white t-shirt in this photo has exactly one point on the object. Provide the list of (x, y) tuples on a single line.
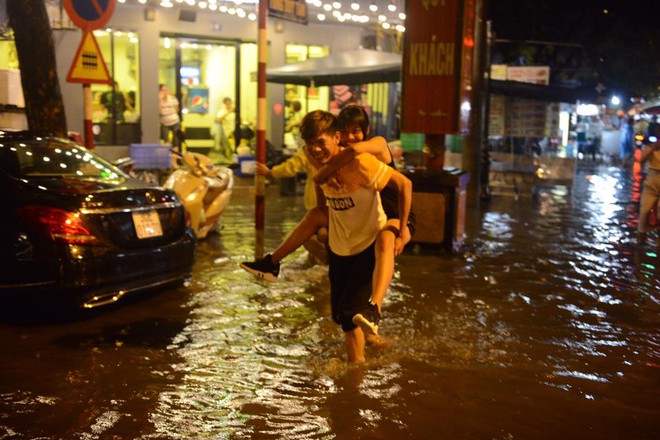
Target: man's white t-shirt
[(354, 209), (169, 111)]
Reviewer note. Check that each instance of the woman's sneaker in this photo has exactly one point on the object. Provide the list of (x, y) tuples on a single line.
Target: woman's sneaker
[(368, 319), (263, 268)]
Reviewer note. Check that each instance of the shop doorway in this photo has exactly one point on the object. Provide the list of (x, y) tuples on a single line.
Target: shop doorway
[(116, 107), (211, 81)]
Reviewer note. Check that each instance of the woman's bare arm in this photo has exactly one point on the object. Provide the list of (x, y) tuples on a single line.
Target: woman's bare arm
[(377, 146)]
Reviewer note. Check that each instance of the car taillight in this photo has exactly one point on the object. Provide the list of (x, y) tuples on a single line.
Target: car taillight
[(61, 225)]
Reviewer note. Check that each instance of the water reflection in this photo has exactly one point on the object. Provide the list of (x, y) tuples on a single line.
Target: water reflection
[(547, 327)]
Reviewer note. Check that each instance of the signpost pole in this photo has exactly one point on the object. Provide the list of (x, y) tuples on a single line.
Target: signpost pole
[(87, 111), (259, 180), (88, 66)]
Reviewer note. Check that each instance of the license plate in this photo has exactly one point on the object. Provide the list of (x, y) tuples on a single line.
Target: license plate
[(147, 224)]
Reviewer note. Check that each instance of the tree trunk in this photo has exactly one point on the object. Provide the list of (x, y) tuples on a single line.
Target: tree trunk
[(44, 107)]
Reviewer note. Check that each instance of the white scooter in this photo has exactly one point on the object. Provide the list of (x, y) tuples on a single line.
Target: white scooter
[(204, 189)]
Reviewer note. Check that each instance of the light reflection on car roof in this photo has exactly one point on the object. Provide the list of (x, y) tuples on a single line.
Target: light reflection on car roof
[(51, 157)]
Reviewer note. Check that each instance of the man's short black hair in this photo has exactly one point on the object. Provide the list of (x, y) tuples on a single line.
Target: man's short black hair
[(317, 123)]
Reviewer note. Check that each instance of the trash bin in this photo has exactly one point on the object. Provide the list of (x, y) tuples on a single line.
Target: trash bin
[(439, 199)]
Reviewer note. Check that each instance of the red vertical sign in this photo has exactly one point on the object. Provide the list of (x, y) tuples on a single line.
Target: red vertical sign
[(436, 80), (430, 68)]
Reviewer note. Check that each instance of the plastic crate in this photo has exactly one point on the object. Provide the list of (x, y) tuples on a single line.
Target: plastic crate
[(246, 166), (412, 141), (151, 156)]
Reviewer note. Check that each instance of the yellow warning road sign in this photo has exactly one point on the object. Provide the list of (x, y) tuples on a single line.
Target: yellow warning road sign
[(88, 65)]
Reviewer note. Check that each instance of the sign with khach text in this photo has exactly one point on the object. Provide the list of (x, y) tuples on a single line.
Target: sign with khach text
[(434, 71)]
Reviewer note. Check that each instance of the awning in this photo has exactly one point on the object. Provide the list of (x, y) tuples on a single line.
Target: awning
[(541, 92), (363, 66), (360, 66)]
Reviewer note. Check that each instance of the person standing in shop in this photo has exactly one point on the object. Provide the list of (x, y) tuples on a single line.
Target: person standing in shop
[(170, 122), (226, 120)]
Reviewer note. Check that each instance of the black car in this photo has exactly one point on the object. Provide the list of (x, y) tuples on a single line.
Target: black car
[(77, 229)]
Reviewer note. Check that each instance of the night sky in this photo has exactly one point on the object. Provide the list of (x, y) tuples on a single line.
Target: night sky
[(618, 39)]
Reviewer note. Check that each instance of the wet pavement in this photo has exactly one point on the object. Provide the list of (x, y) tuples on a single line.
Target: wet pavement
[(546, 328)]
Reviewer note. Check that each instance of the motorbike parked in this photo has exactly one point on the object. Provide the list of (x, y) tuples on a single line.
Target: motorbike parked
[(204, 189)]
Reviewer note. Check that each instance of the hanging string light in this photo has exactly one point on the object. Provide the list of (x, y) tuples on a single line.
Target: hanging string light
[(387, 13)]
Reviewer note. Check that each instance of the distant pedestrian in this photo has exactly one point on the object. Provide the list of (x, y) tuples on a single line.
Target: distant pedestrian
[(226, 120), (651, 188), (168, 109), (652, 128), (627, 142), (115, 102), (291, 168), (294, 119)]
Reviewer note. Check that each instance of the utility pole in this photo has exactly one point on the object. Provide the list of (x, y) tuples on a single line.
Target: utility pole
[(259, 180)]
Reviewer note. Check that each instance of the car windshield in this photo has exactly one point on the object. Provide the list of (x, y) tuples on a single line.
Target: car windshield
[(48, 157)]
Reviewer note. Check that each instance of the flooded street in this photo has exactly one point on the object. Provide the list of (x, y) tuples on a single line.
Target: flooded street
[(546, 328)]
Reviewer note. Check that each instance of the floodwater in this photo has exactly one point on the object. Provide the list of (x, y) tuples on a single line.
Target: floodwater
[(546, 328)]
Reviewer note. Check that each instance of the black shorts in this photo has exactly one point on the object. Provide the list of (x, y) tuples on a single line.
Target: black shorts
[(350, 284), (390, 201)]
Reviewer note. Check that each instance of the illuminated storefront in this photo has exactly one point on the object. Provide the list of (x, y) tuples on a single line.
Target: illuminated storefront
[(207, 54), (203, 58), (116, 108)]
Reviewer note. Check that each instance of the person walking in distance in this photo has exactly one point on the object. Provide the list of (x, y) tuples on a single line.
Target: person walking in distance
[(168, 109), (226, 120), (651, 188)]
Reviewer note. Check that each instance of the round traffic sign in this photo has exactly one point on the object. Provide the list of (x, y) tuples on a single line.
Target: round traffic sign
[(90, 14)]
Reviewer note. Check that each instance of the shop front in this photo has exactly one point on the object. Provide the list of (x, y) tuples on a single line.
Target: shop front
[(206, 60), (116, 107), (211, 81)]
